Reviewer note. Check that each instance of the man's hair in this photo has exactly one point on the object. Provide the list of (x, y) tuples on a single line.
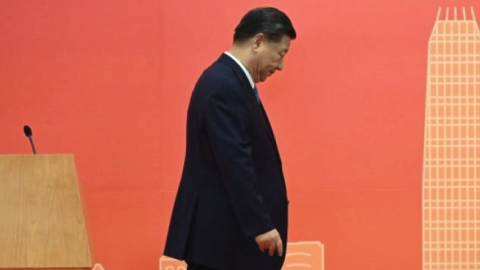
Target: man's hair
[(271, 22)]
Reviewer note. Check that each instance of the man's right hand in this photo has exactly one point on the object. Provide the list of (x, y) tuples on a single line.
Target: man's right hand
[(270, 241)]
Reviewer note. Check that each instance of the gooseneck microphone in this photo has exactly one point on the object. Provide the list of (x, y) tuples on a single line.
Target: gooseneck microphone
[(28, 132)]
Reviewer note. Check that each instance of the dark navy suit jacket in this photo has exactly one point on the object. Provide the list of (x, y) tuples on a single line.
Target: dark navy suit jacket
[(232, 187)]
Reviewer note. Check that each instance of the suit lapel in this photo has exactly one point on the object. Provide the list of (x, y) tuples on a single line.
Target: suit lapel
[(269, 129), (258, 107)]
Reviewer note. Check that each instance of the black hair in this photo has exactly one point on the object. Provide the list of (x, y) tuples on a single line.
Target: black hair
[(271, 22)]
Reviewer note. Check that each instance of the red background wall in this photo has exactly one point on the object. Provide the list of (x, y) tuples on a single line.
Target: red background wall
[(109, 81)]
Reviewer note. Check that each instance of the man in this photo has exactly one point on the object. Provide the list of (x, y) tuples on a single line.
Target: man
[(231, 209)]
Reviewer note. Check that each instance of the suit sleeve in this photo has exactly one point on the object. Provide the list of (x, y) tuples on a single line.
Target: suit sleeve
[(226, 120)]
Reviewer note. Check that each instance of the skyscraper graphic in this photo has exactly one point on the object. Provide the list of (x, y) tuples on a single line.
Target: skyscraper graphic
[(305, 255), (98, 267), (167, 263), (451, 171)]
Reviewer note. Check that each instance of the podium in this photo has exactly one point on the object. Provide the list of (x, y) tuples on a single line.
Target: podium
[(42, 224)]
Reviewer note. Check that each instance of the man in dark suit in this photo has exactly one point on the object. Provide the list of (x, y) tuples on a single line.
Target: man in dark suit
[(231, 209)]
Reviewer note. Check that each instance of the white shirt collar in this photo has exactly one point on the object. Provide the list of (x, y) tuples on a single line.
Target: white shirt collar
[(250, 79)]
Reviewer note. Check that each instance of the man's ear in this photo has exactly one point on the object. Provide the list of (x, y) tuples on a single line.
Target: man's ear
[(258, 41)]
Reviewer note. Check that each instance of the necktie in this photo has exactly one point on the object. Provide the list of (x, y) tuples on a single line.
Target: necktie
[(255, 90)]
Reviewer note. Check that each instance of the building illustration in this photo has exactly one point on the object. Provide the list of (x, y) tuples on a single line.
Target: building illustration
[(167, 263), (451, 171), (305, 255)]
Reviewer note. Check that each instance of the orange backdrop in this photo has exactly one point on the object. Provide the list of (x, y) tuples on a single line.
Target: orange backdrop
[(110, 81)]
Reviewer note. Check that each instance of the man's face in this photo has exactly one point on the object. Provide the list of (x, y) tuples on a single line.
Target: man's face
[(270, 58)]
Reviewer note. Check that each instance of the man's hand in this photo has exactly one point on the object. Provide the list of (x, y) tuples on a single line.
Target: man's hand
[(270, 241)]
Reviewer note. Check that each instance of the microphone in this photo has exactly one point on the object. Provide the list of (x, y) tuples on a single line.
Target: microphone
[(28, 132)]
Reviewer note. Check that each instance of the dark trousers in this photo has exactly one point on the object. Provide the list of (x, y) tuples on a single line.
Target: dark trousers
[(198, 267)]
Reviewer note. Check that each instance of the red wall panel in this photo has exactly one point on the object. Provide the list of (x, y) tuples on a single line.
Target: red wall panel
[(109, 81)]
